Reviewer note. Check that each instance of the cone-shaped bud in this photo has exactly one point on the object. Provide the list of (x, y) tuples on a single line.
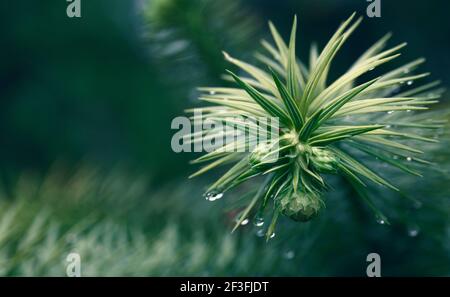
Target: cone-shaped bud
[(300, 206)]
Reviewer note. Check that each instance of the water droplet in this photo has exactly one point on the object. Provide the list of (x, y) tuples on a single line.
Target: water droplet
[(289, 255), (260, 233), (409, 159), (244, 222), (388, 126), (406, 71), (213, 195), (272, 235), (408, 110), (390, 112), (381, 220), (410, 82), (395, 157), (259, 221), (371, 68), (413, 231), (212, 92)]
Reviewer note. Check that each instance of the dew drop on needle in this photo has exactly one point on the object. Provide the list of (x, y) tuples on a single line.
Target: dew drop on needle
[(259, 221), (213, 195), (381, 221)]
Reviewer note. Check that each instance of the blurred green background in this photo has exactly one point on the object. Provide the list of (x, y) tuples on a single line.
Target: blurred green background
[(85, 112)]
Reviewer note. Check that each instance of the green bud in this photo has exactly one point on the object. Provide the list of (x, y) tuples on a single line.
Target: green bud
[(323, 159), (300, 206), (303, 149), (259, 153)]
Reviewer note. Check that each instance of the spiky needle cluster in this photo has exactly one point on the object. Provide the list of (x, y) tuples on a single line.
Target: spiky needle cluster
[(321, 123)]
